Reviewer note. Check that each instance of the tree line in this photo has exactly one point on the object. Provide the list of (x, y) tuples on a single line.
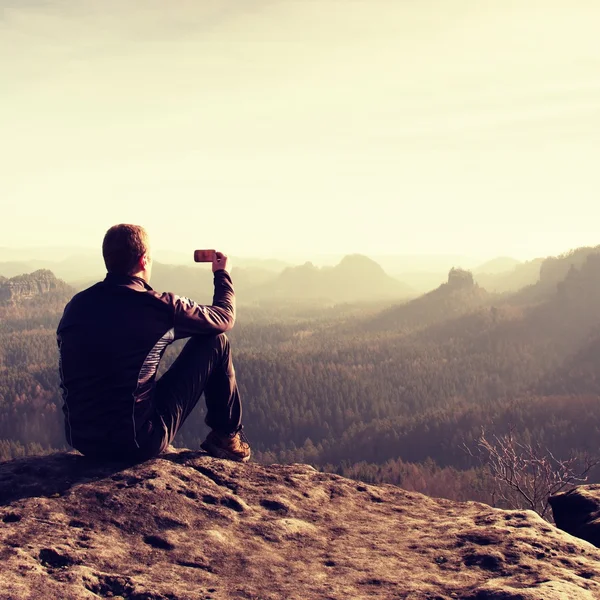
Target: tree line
[(383, 404)]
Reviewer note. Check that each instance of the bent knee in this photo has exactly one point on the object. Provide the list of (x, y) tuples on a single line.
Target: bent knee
[(219, 341)]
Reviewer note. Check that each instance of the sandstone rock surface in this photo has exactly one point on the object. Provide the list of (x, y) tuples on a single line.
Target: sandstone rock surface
[(187, 526), (578, 512), (25, 287)]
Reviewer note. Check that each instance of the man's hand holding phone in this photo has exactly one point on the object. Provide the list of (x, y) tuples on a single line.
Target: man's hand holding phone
[(218, 259), (221, 261)]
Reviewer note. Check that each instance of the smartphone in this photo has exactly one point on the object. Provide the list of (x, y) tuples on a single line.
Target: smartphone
[(204, 255)]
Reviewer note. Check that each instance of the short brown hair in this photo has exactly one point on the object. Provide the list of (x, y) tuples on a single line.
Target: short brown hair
[(122, 247)]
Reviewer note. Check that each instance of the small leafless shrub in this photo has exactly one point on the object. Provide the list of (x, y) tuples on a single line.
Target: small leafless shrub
[(526, 475)]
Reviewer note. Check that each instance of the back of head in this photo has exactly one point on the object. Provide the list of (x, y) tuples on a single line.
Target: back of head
[(122, 247)]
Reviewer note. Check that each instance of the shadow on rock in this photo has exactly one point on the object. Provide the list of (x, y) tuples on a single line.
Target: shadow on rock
[(51, 475)]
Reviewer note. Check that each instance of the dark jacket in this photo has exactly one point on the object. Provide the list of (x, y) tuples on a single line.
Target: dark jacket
[(111, 338)]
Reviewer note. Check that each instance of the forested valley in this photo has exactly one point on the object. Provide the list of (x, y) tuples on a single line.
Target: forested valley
[(380, 391)]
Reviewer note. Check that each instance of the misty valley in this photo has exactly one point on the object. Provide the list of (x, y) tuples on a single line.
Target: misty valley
[(355, 371)]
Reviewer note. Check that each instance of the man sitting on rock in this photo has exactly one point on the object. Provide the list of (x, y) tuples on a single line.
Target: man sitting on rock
[(111, 338)]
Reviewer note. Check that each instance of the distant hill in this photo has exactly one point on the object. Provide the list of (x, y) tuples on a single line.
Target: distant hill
[(521, 275), (356, 278), (460, 295), (423, 272), (537, 279), (74, 268), (423, 263), (562, 330), (422, 282), (560, 312), (247, 278), (14, 268), (574, 313), (196, 281), (501, 264), (555, 269), (552, 272)]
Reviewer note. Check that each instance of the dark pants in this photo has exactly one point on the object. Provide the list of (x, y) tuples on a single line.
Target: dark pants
[(204, 365)]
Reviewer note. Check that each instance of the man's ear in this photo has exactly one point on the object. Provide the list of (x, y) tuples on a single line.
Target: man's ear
[(142, 263)]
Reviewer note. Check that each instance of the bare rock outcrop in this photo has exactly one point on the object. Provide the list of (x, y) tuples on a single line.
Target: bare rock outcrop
[(187, 526), (578, 512), (460, 279), (25, 287)]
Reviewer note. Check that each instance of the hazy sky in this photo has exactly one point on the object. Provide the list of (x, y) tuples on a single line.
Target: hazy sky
[(302, 126)]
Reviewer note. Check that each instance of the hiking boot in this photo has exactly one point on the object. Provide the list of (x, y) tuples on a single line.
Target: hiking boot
[(234, 446)]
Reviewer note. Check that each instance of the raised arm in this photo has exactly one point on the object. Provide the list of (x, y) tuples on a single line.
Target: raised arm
[(196, 319)]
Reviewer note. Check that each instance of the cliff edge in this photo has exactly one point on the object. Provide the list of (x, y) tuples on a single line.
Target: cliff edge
[(187, 526)]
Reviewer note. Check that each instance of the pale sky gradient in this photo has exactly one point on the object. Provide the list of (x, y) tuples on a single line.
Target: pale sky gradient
[(293, 126)]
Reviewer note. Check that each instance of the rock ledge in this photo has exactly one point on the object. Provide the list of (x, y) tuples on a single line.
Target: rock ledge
[(187, 526)]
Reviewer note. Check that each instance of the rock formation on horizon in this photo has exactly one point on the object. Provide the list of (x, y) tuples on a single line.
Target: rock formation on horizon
[(460, 279), (460, 295), (187, 526), (28, 286)]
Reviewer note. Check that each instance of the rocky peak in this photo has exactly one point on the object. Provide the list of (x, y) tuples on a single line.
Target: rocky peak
[(459, 279), (24, 287), (186, 526)]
